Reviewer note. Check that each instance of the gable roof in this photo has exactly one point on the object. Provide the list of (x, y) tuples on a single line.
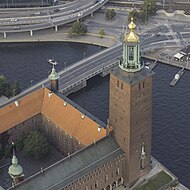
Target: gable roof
[(73, 167), (68, 117)]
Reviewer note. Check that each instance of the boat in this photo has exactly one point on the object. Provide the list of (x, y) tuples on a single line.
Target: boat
[(177, 77)]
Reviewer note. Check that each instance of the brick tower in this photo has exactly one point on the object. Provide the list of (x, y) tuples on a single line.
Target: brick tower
[(130, 111)]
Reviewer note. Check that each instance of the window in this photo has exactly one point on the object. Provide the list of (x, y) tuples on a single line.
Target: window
[(139, 86), (143, 84), (117, 83), (121, 86), (106, 178), (117, 172), (96, 184), (131, 53)]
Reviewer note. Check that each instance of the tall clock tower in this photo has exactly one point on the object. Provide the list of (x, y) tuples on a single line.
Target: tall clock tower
[(130, 110)]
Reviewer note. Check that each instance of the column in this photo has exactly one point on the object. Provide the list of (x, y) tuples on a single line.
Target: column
[(31, 33), (5, 35), (56, 28)]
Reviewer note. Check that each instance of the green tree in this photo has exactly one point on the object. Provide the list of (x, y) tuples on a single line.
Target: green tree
[(133, 14), (3, 85), (36, 145), (78, 28), (110, 14), (148, 9), (15, 88), (102, 32)]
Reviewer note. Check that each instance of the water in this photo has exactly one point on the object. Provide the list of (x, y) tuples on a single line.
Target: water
[(171, 113)]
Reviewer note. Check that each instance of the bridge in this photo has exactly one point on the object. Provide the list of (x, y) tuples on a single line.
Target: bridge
[(75, 76), (31, 19)]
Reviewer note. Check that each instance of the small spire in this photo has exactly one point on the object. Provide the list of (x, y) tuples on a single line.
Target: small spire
[(143, 154), (15, 170)]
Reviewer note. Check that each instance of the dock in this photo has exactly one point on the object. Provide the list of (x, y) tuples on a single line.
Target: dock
[(151, 65), (177, 77)]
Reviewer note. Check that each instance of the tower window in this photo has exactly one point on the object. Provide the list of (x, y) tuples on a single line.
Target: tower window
[(121, 86), (106, 178), (117, 83), (131, 53), (96, 184), (117, 172)]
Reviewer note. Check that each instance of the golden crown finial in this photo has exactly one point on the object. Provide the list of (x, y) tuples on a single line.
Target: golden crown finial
[(131, 36), (132, 25)]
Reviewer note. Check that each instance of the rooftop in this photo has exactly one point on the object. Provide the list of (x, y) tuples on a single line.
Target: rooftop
[(74, 166), (63, 112)]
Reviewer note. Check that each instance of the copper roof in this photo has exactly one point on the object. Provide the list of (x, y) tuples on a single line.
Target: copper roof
[(77, 124)]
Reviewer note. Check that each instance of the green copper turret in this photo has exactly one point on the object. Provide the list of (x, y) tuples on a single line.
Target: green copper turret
[(15, 170), (53, 77), (131, 51)]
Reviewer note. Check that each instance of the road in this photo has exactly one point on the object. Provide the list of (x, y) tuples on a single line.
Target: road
[(46, 17)]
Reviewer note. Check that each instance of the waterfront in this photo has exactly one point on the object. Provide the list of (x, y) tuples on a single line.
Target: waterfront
[(26, 62)]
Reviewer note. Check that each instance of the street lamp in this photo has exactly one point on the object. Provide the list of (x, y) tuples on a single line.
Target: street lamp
[(7, 3), (163, 3)]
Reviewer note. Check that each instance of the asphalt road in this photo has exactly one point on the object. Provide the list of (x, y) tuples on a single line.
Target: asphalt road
[(46, 17)]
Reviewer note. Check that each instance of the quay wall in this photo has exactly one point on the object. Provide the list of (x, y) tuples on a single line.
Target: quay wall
[(89, 38)]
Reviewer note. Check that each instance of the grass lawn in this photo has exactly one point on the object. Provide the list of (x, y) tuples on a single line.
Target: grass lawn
[(156, 182)]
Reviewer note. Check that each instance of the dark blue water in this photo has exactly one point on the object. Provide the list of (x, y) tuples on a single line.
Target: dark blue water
[(171, 113)]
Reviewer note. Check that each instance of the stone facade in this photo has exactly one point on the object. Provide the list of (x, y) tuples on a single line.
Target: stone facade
[(106, 177), (131, 118)]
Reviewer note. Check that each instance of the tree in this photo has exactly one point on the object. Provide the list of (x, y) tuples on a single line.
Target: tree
[(15, 88), (78, 28), (36, 145), (3, 85), (102, 32), (110, 14), (148, 8), (133, 14)]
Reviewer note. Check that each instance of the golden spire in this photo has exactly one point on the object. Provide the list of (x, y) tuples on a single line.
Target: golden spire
[(131, 36)]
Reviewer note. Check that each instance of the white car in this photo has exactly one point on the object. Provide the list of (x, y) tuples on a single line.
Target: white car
[(16, 27), (13, 19), (37, 13), (80, 14)]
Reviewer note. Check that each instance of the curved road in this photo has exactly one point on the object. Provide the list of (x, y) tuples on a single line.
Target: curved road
[(46, 17)]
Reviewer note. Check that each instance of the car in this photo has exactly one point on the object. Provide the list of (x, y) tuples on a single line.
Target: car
[(16, 27), (80, 14), (56, 10), (37, 13), (76, 10), (13, 19)]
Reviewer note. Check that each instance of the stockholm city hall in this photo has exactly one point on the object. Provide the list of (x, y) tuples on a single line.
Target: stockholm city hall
[(98, 157)]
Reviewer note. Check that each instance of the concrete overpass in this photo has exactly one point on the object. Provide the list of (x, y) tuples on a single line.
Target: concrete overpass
[(45, 17)]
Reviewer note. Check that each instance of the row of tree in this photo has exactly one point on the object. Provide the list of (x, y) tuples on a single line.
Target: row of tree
[(8, 90)]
